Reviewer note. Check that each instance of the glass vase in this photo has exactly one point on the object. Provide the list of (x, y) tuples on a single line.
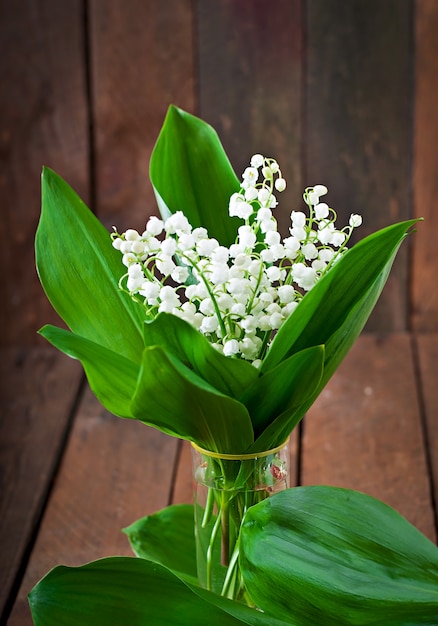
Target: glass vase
[(225, 486)]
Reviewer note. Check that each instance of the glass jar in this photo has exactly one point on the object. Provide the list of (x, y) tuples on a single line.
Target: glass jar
[(225, 486)]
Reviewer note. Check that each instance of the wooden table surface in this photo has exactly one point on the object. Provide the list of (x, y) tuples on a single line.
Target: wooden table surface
[(74, 475)]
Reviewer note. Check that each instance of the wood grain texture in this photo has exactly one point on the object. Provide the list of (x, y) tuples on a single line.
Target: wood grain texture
[(365, 431), (38, 391), (359, 122), (43, 121), (183, 485), (142, 61), (425, 181), (114, 472), (427, 346), (250, 73)]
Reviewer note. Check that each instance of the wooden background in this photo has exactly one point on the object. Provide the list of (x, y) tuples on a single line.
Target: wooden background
[(343, 93)]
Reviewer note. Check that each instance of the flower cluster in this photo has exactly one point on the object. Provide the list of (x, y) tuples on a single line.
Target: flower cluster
[(237, 296)]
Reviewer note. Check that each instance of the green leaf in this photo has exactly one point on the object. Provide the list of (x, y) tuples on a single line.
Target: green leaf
[(190, 172), (174, 399), (354, 283), (335, 311), (120, 591), (177, 337), (340, 557), (167, 537), (247, 615), (112, 377), (123, 591), (79, 271), (281, 392)]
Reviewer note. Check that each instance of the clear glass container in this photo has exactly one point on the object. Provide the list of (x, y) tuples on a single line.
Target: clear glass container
[(225, 486)]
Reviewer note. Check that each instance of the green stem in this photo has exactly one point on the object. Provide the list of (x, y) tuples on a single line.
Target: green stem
[(209, 556), (259, 278), (208, 511), (265, 344), (225, 543), (210, 293), (228, 588)]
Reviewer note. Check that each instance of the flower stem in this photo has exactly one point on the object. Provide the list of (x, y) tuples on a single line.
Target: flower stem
[(209, 556), (228, 588), (210, 293), (208, 508), (225, 543)]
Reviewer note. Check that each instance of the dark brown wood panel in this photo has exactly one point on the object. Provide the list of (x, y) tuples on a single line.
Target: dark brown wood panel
[(358, 122), (38, 391), (425, 180), (365, 431), (250, 73), (183, 486), (114, 472), (427, 345), (43, 121), (142, 61)]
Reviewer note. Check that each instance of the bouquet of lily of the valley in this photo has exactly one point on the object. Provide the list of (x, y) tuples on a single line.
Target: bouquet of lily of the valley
[(211, 327)]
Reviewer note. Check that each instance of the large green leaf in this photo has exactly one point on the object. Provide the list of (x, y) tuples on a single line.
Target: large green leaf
[(123, 591), (177, 337), (79, 270), (176, 400), (120, 591), (112, 377), (283, 391), (190, 172), (355, 282), (167, 537), (248, 615), (340, 557)]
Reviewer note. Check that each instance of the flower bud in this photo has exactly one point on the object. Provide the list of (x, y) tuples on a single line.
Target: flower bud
[(280, 184), (257, 160), (355, 220)]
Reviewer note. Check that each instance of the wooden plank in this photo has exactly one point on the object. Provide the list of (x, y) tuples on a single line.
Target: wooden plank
[(425, 182), (183, 487), (43, 121), (250, 75), (38, 390), (427, 345), (114, 472), (365, 432), (142, 61), (359, 122)]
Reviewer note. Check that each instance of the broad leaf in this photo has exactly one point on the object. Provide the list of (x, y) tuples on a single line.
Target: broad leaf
[(167, 537), (282, 391), (123, 591), (174, 399), (190, 172), (120, 591), (247, 615), (177, 337), (341, 341), (338, 556), (356, 279), (79, 271), (112, 377)]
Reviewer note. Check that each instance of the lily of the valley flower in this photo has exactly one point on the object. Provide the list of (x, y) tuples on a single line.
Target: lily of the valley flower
[(237, 296)]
